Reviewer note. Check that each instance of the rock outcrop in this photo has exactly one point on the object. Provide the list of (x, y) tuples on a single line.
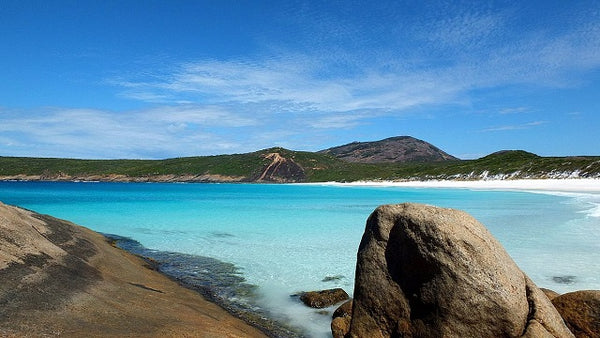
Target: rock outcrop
[(281, 170), (424, 271), (581, 312), (57, 278), (323, 298)]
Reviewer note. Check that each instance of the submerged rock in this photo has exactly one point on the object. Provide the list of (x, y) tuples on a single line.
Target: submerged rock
[(424, 271), (564, 279), (324, 298), (332, 278), (581, 312)]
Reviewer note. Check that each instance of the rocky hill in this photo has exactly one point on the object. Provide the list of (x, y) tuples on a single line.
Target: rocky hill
[(400, 149)]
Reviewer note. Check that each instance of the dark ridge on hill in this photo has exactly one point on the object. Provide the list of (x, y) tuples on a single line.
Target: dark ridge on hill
[(400, 149)]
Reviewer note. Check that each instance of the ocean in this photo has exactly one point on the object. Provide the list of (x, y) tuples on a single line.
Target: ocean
[(276, 240)]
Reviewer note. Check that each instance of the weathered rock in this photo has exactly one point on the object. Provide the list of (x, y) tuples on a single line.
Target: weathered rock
[(324, 298), (581, 312), (550, 293), (424, 271), (340, 324), (59, 279)]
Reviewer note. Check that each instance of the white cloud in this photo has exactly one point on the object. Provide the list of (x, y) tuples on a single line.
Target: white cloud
[(514, 110), (338, 121), (87, 133), (484, 54), (296, 87), (465, 29), (196, 115), (527, 125)]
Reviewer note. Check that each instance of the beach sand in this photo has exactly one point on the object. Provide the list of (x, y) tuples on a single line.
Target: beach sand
[(582, 185)]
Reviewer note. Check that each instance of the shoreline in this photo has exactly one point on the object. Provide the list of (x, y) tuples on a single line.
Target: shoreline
[(567, 185), (216, 281), (572, 185)]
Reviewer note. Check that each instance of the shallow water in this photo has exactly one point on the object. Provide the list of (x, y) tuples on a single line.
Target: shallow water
[(290, 238)]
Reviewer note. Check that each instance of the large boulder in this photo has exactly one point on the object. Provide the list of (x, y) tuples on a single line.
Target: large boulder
[(581, 312), (424, 271)]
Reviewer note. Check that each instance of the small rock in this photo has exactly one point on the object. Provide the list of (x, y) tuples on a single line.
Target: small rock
[(581, 312), (332, 278), (324, 298)]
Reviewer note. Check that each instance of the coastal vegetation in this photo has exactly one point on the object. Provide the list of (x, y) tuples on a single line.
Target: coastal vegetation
[(301, 167)]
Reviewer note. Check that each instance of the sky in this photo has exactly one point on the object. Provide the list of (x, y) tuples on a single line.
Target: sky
[(162, 79)]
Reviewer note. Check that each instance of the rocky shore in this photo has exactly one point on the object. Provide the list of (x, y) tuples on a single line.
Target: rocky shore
[(57, 278), (167, 178), (424, 271)]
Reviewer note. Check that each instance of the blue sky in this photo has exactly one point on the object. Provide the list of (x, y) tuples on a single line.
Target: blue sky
[(159, 79)]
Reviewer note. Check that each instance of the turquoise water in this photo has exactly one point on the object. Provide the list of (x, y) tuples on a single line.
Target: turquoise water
[(289, 238)]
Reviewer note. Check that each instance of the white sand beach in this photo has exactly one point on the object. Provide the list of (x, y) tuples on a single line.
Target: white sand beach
[(583, 185)]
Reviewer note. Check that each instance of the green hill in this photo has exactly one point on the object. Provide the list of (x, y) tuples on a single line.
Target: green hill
[(283, 165)]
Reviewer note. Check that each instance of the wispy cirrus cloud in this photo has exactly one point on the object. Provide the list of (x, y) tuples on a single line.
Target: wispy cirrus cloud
[(489, 56), (293, 84), (521, 126), (154, 133), (514, 110)]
